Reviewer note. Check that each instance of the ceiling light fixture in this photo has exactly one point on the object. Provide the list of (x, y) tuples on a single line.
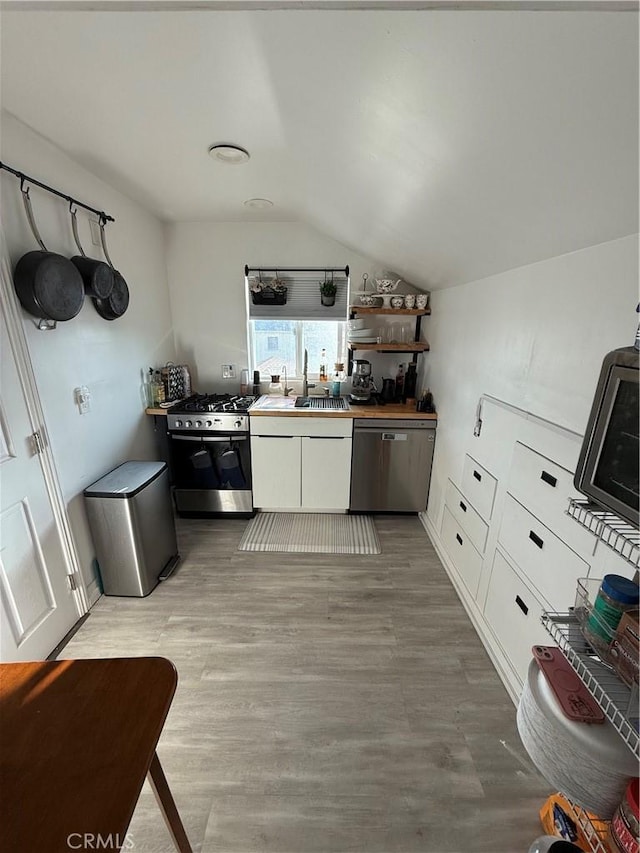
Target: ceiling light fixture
[(228, 153), (258, 203)]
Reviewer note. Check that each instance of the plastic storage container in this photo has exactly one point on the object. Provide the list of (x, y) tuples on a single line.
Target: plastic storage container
[(130, 516), (625, 824), (615, 595)]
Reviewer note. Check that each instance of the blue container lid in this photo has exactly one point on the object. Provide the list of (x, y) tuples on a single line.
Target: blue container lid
[(622, 589)]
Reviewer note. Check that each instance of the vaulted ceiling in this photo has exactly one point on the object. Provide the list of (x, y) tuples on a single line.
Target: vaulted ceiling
[(447, 145)]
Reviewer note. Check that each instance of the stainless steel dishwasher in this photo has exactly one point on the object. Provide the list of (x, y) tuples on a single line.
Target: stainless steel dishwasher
[(391, 464)]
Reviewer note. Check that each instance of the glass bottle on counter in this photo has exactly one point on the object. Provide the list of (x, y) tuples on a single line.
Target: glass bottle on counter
[(410, 382), (338, 377), (324, 376), (158, 388)]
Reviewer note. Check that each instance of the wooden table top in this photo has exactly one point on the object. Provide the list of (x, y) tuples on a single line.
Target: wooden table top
[(77, 738)]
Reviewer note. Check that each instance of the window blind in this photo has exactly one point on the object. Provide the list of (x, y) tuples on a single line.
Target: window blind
[(303, 293)]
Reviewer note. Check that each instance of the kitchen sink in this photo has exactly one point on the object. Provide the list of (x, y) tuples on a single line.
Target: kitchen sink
[(331, 403)]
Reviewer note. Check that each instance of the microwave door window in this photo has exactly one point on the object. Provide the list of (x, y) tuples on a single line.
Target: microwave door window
[(617, 469)]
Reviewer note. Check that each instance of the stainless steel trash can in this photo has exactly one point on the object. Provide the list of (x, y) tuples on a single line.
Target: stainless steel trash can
[(131, 519)]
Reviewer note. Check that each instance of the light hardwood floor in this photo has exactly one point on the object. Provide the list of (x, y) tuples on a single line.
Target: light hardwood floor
[(325, 703)]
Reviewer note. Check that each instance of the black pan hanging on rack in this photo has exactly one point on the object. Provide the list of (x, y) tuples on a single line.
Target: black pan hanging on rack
[(117, 302), (48, 285), (96, 275)]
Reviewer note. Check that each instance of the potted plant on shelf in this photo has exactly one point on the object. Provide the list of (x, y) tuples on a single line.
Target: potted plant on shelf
[(328, 290)]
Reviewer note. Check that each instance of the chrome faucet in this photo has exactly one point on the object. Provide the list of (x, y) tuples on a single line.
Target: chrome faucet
[(306, 385), (286, 390)]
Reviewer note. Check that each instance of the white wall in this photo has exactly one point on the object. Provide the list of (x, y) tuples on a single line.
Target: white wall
[(108, 357), (533, 337), (205, 265)]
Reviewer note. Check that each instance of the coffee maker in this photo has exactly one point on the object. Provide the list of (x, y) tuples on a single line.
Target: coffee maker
[(361, 382)]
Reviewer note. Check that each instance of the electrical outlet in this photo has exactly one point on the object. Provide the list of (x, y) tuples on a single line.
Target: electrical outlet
[(228, 371), (94, 227)]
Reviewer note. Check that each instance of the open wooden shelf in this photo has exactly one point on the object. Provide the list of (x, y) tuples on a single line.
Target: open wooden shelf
[(414, 346), (364, 309)]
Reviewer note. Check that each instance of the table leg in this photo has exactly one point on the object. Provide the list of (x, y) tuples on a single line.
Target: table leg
[(160, 787)]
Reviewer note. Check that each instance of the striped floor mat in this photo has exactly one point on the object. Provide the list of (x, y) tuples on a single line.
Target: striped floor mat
[(311, 533)]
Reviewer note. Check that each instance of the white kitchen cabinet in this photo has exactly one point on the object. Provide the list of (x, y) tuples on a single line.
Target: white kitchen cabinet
[(479, 486), (467, 560), (466, 516), (545, 488), (326, 472), (276, 467), (464, 530), (520, 552), (513, 614), (301, 464), (546, 562)]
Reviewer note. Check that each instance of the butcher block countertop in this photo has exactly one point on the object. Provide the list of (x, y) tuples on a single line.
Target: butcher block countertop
[(268, 406), (155, 410)]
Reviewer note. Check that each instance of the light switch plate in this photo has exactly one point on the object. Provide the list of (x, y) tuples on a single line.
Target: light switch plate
[(228, 371), (83, 399)]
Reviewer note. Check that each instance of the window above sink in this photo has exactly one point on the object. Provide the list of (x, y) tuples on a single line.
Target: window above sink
[(274, 344)]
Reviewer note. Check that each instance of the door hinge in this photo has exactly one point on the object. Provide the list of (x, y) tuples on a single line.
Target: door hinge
[(38, 442), (73, 583)]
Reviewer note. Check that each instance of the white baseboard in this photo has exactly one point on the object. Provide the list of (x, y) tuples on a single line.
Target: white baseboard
[(498, 659), (93, 592)]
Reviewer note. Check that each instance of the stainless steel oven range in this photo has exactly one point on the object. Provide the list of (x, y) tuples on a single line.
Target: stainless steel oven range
[(210, 456)]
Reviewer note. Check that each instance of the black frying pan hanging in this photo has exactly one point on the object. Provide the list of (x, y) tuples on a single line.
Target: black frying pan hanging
[(117, 302), (96, 275), (48, 285)]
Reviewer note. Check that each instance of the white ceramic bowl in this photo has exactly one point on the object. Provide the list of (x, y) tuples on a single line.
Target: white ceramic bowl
[(386, 285), (368, 300), (355, 324), (397, 301)]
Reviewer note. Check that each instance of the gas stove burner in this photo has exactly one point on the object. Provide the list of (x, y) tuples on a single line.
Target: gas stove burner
[(231, 403)]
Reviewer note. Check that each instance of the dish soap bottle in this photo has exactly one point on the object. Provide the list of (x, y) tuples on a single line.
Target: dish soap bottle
[(323, 366), (338, 377)]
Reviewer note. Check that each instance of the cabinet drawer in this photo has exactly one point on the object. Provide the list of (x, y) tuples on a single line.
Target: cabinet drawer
[(466, 516), (540, 484), (551, 566), (513, 614), (466, 559), (479, 486), (301, 425)]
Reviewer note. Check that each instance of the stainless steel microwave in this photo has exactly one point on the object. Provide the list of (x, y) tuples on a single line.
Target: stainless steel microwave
[(607, 471)]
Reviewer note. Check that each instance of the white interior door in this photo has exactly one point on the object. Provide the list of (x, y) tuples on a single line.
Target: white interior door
[(38, 606)]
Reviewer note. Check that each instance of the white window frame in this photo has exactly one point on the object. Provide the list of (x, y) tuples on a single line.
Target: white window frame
[(298, 329)]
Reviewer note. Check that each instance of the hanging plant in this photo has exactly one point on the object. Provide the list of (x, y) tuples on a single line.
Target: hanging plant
[(271, 293), (328, 290)]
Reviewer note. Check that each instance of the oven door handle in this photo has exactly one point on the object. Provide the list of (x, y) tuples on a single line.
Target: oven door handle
[(206, 439)]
